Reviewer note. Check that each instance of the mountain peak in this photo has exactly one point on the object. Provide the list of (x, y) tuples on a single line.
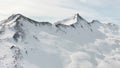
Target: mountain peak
[(78, 16), (14, 17), (72, 20), (17, 14)]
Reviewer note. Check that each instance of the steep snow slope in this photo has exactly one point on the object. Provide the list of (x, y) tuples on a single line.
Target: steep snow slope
[(80, 31), (71, 43)]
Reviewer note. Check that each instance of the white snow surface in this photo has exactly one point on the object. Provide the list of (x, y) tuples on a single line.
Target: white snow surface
[(86, 45)]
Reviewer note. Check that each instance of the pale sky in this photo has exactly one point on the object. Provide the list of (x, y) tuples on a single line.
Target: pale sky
[(54, 10)]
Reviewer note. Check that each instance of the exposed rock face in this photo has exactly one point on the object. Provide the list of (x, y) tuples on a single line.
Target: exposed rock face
[(17, 57)]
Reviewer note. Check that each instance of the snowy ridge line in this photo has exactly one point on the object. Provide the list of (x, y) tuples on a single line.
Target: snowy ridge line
[(69, 22), (16, 17)]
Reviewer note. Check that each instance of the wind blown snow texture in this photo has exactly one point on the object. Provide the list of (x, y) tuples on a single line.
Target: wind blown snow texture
[(70, 43)]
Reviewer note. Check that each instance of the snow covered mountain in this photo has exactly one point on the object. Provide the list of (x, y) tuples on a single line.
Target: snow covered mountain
[(70, 43)]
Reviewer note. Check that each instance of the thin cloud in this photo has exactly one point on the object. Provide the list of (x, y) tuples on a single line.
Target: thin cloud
[(89, 9)]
